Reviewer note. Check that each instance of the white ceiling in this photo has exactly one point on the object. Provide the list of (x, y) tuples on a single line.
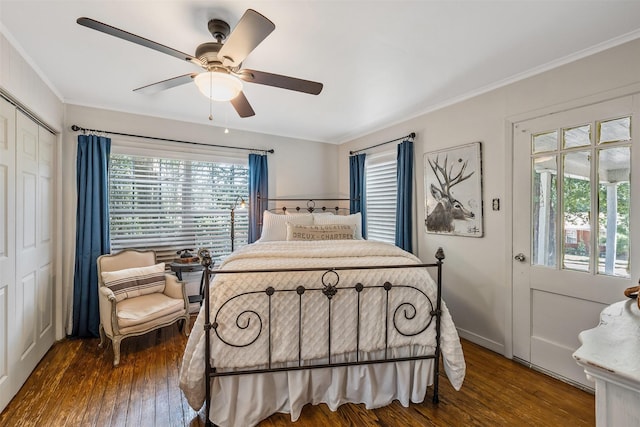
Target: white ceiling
[(381, 62)]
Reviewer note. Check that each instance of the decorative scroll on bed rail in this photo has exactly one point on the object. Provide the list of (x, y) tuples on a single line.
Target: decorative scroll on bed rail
[(250, 322), (330, 280)]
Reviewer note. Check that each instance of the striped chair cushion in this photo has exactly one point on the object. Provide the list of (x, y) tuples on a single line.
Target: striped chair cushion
[(133, 282)]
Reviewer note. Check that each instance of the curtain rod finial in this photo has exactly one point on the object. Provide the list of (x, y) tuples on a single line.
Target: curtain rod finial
[(75, 128)]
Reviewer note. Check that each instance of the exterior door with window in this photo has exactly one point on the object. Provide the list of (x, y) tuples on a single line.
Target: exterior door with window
[(574, 229)]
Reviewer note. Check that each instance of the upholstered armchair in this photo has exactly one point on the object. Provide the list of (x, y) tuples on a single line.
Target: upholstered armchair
[(137, 296)]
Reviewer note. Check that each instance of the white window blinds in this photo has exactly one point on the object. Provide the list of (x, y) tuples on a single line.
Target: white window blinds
[(172, 204), (381, 188)]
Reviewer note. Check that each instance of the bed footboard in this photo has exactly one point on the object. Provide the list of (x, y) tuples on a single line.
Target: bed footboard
[(398, 314)]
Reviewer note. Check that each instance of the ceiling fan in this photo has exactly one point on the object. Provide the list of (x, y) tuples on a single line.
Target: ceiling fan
[(221, 60)]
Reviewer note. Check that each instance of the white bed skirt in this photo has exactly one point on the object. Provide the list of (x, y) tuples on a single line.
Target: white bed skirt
[(246, 400)]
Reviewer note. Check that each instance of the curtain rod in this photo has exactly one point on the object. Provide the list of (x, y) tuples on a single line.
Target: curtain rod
[(77, 128), (411, 135)]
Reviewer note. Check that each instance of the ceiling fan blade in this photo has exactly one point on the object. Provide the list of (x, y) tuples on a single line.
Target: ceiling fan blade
[(249, 33), (125, 35), (166, 84), (242, 106), (277, 80)]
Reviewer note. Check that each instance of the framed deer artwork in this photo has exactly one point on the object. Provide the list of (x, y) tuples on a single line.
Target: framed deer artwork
[(453, 191)]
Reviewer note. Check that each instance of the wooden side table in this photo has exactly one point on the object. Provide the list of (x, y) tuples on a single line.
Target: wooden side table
[(179, 268)]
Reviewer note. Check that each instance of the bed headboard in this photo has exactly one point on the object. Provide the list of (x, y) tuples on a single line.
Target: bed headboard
[(282, 205)]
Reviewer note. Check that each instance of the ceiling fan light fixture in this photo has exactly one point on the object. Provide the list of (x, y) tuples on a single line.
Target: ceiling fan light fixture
[(218, 86)]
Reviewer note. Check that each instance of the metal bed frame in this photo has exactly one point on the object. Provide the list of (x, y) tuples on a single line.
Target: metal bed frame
[(329, 287), (310, 205)]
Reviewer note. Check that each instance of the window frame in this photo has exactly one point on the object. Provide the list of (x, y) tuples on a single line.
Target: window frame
[(375, 161), (178, 151)]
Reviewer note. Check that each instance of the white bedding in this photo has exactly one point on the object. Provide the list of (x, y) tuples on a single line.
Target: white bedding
[(292, 393)]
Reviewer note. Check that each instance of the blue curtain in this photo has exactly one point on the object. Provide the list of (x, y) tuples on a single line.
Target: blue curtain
[(258, 184), (404, 202), (357, 189), (92, 230)]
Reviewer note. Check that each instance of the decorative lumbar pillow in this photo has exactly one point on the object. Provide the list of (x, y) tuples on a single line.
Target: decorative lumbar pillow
[(320, 232), (354, 219), (133, 282), (274, 226)]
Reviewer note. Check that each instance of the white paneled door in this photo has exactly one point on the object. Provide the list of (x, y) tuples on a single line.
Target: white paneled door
[(576, 227), (27, 273), (34, 249), (7, 243)]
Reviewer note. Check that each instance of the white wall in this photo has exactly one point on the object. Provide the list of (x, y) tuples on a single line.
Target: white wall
[(477, 274), (23, 83), (297, 168)]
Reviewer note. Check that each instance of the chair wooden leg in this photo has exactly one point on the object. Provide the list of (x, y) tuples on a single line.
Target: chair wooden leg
[(185, 327), (103, 337), (116, 350)]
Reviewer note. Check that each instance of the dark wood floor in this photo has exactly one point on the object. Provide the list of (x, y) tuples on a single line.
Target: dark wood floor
[(75, 385)]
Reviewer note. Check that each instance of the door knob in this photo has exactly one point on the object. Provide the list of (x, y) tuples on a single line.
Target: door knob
[(520, 257)]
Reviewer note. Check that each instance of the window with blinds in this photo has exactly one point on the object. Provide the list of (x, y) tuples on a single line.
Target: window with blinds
[(381, 188), (172, 204)]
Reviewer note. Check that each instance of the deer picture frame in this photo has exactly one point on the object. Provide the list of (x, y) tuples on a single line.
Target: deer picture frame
[(453, 191)]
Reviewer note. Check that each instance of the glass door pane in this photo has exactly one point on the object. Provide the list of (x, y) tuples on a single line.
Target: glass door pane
[(577, 137), (547, 141), (615, 130), (576, 203), (613, 211), (544, 205)]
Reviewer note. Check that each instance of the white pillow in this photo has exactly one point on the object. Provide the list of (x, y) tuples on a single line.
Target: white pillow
[(321, 213), (295, 213), (274, 226), (354, 219)]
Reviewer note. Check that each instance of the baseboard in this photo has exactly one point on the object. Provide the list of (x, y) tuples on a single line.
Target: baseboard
[(582, 387), (482, 341)]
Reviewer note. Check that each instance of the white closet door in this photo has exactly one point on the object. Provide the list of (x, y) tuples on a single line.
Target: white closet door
[(34, 249), (8, 336), (45, 261)]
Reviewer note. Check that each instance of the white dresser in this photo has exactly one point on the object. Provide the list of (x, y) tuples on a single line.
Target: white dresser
[(610, 356)]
